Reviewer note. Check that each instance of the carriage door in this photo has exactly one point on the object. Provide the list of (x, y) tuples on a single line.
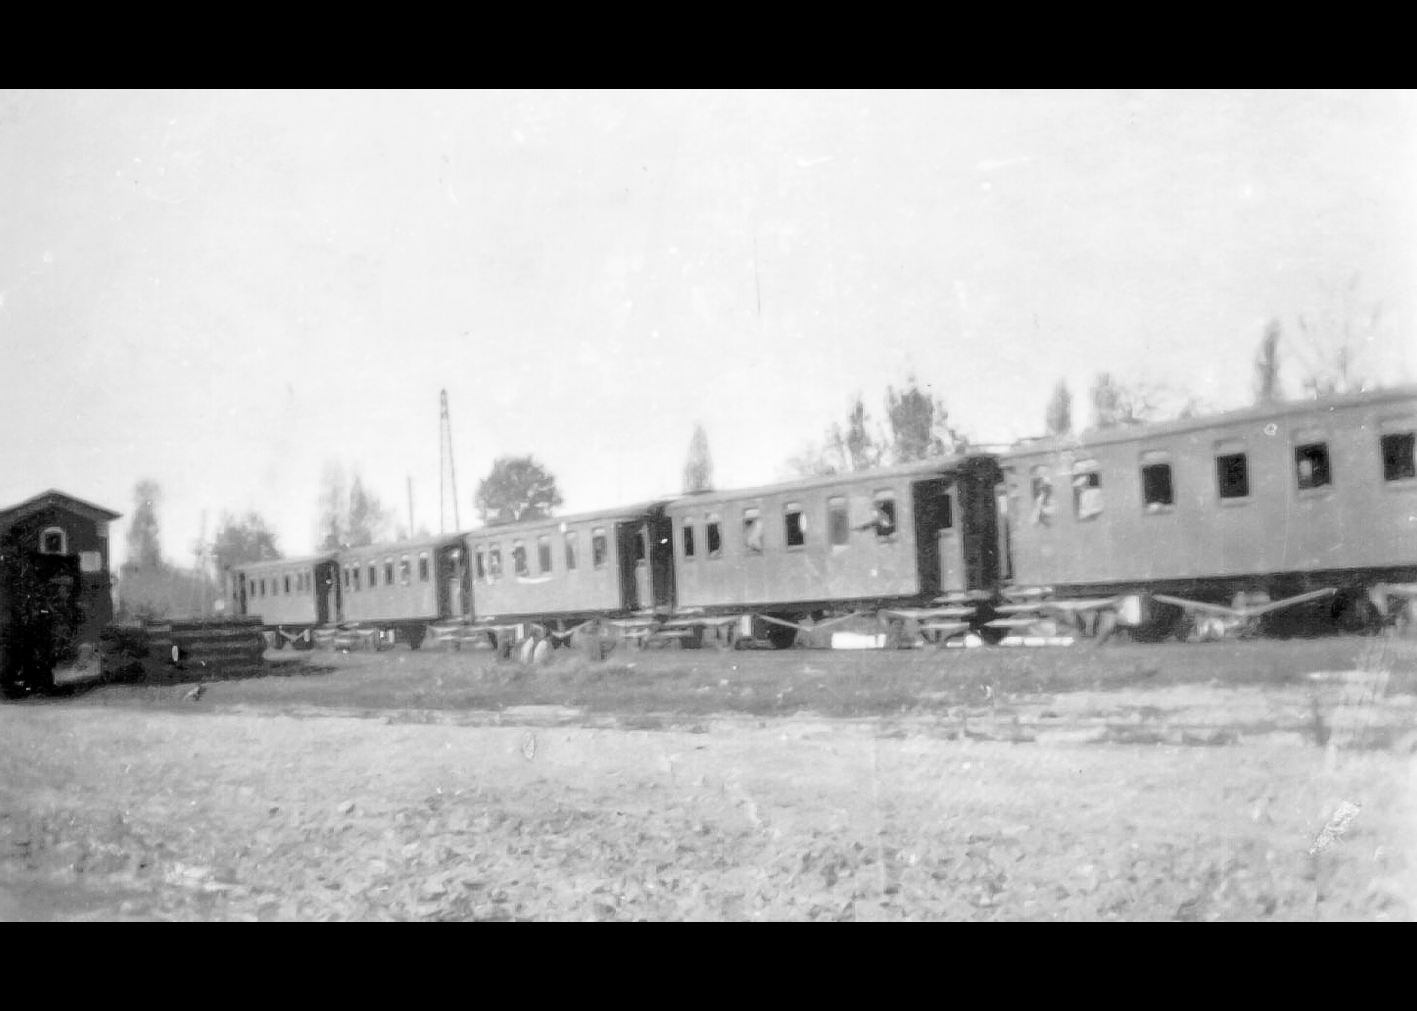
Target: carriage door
[(452, 580), (661, 560), (953, 575), (629, 542), (326, 592), (938, 560)]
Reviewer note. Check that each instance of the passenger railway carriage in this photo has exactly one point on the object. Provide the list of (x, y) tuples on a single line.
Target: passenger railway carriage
[(1233, 516), (560, 572), (795, 554)]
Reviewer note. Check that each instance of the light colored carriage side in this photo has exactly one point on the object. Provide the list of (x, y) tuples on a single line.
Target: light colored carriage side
[(1214, 523), (292, 596), (912, 546), (395, 592), (547, 578)]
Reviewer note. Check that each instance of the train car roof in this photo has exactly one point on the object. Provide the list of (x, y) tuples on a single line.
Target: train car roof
[(394, 547), (933, 465), (554, 522), (1130, 433), (281, 563)]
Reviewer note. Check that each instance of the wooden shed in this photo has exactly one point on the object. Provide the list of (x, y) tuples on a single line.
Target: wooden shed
[(55, 587)]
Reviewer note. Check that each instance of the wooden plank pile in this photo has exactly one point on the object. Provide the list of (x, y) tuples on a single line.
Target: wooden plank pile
[(226, 647)]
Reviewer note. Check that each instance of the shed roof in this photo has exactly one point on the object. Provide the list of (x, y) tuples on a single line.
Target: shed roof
[(53, 497)]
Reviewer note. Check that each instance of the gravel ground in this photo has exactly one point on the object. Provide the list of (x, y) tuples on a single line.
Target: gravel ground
[(203, 811)]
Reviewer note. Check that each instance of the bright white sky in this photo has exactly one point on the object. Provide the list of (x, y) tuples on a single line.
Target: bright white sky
[(224, 291)]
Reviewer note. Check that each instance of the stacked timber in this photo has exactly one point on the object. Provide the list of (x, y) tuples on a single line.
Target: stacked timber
[(226, 646)]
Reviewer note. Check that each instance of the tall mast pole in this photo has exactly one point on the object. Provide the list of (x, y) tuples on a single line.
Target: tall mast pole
[(448, 471)]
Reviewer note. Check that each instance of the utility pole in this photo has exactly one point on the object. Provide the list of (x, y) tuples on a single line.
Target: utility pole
[(448, 472)]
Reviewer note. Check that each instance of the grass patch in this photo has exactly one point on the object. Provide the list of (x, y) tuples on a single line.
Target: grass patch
[(839, 684)]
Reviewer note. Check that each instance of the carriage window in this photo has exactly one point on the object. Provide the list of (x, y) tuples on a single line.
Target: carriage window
[(1087, 491), (356, 579), (1311, 465), (389, 570), (423, 566), (714, 536), (838, 521), (1399, 456), (1041, 490), (519, 563), (570, 550), (287, 583), (641, 545), (688, 539), (494, 562), (795, 525), (346, 577), (1156, 491), (263, 587), (597, 547), (1232, 475), (480, 563), (53, 542), (374, 575), (752, 531), (884, 517), (543, 552), (405, 569), (947, 511)]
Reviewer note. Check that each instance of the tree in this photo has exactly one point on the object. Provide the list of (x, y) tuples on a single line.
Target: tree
[(144, 549), (517, 488), (919, 428), (1115, 404), (332, 508), (1059, 418), (698, 469), (367, 520), (1267, 390), (919, 425), (1335, 337), (242, 539)]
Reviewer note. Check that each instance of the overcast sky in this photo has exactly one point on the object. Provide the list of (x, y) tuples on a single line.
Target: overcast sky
[(223, 291)]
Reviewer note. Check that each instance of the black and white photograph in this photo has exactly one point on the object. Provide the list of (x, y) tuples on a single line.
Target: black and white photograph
[(732, 506)]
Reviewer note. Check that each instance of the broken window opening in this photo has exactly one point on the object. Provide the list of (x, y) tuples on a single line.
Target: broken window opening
[(752, 531), (1232, 475), (1087, 491), (838, 522), (1311, 466), (883, 515), (1156, 490), (1042, 491), (794, 525), (1399, 456)]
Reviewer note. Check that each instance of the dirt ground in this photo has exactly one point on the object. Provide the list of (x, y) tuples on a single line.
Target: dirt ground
[(1186, 801)]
